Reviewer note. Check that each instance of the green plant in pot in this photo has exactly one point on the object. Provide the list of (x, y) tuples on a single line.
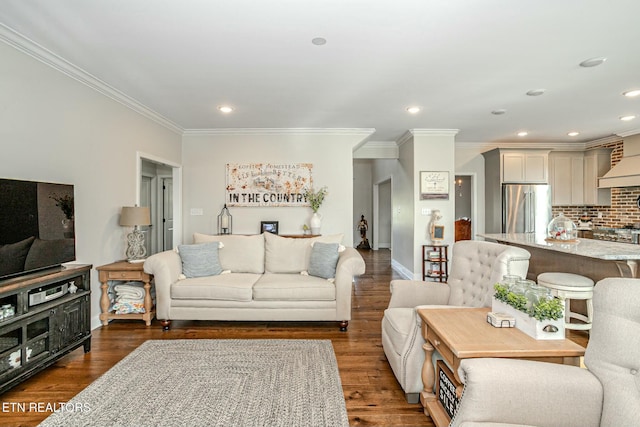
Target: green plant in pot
[(545, 309)]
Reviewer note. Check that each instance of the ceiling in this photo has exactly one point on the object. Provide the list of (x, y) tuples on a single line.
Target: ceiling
[(457, 59)]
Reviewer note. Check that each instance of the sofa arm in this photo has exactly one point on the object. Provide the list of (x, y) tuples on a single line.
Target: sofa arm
[(166, 267), (350, 263), (515, 391), (410, 293)]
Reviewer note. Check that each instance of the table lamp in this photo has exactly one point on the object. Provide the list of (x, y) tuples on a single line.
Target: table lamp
[(135, 216)]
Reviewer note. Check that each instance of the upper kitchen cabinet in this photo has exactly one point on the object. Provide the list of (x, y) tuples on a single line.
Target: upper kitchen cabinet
[(597, 162), (566, 176), (520, 165)]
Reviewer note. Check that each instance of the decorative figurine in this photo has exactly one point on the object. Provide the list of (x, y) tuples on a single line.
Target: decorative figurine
[(363, 226)]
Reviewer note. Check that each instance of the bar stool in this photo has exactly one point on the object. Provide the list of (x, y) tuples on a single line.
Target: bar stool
[(568, 286)]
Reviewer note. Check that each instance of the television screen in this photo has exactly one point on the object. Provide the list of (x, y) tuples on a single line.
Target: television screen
[(36, 226)]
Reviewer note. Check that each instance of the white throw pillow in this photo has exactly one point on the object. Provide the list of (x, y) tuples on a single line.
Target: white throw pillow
[(241, 254), (290, 255)]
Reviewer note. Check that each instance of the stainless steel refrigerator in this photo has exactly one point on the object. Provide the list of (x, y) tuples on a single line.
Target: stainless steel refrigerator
[(526, 208)]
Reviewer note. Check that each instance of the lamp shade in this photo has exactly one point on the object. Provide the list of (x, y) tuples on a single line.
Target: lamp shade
[(135, 215)]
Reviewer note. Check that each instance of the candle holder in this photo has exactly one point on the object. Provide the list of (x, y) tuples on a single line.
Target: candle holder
[(224, 221)]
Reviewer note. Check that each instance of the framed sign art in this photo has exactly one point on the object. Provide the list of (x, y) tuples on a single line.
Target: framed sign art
[(434, 185), (268, 184)]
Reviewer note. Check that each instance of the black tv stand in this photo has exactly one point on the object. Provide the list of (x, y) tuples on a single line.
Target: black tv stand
[(39, 333)]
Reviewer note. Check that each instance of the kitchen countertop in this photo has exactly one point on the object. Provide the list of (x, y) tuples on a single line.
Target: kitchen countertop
[(590, 248)]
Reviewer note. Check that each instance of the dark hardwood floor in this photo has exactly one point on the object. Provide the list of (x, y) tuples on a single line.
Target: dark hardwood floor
[(373, 396)]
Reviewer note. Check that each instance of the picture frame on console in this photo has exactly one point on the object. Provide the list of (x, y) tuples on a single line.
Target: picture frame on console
[(269, 227)]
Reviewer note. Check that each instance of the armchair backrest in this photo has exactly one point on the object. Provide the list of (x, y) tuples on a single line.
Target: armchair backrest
[(478, 265), (613, 352)]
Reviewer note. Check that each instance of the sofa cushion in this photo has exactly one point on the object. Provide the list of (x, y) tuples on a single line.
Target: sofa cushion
[(288, 255), (293, 287), (241, 254), (227, 287), (323, 260), (13, 256), (200, 259)]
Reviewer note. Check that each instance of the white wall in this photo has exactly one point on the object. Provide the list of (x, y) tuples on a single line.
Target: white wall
[(53, 128), (204, 158), (384, 214), (433, 151)]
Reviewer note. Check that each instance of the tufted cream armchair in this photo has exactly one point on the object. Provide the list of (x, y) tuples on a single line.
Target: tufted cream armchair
[(475, 267), (501, 392)]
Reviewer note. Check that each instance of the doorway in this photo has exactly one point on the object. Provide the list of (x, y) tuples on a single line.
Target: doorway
[(157, 189), (465, 201)]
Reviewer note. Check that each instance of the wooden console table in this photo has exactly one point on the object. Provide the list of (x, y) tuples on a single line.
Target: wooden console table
[(125, 271), (462, 333)]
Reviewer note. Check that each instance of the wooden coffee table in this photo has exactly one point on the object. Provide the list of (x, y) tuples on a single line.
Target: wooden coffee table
[(462, 333)]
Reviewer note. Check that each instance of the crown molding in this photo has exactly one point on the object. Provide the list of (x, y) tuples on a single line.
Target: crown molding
[(362, 132), (42, 54), (603, 141), (629, 133), (406, 137), (376, 150), (434, 132)]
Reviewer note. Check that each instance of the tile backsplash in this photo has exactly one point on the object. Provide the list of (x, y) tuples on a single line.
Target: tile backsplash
[(623, 209)]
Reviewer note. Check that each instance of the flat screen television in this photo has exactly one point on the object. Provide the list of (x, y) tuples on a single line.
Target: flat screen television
[(36, 226)]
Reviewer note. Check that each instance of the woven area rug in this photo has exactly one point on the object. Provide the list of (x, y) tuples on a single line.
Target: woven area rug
[(214, 383)]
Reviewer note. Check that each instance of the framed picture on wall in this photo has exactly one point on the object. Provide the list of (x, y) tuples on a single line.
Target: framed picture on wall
[(269, 227), (434, 185)]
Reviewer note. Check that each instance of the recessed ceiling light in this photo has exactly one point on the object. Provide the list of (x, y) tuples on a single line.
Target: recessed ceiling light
[(592, 62), (536, 92), (414, 109), (523, 133), (627, 118), (499, 112), (631, 93), (225, 109), (319, 41), (573, 133)]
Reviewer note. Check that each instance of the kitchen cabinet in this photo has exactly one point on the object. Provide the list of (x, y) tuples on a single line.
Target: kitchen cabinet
[(566, 176), (525, 166), (597, 162)]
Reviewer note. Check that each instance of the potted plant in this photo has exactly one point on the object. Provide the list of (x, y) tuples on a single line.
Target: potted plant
[(315, 199), (543, 319)]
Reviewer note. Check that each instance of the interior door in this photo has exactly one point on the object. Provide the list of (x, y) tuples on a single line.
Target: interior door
[(146, 200), (167, 213)]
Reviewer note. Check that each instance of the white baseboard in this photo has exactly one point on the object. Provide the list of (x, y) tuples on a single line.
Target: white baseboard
[(402, 270), (384, 245)]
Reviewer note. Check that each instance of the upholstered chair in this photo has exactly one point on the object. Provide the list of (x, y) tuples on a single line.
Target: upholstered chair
[(475, 267), (500, 392)]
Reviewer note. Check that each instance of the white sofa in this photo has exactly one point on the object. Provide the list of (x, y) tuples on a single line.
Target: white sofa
[(264, 278)]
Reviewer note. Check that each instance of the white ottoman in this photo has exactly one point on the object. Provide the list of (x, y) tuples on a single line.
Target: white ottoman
[(568, 286)]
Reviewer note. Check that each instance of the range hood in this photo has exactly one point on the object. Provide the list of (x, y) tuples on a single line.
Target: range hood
[(627, 172)]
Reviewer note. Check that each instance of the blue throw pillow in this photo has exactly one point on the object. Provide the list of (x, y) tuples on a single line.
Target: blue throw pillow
[(200, 259), (324, 259)]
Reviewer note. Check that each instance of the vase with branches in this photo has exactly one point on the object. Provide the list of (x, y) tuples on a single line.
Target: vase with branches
[(315, 198)]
